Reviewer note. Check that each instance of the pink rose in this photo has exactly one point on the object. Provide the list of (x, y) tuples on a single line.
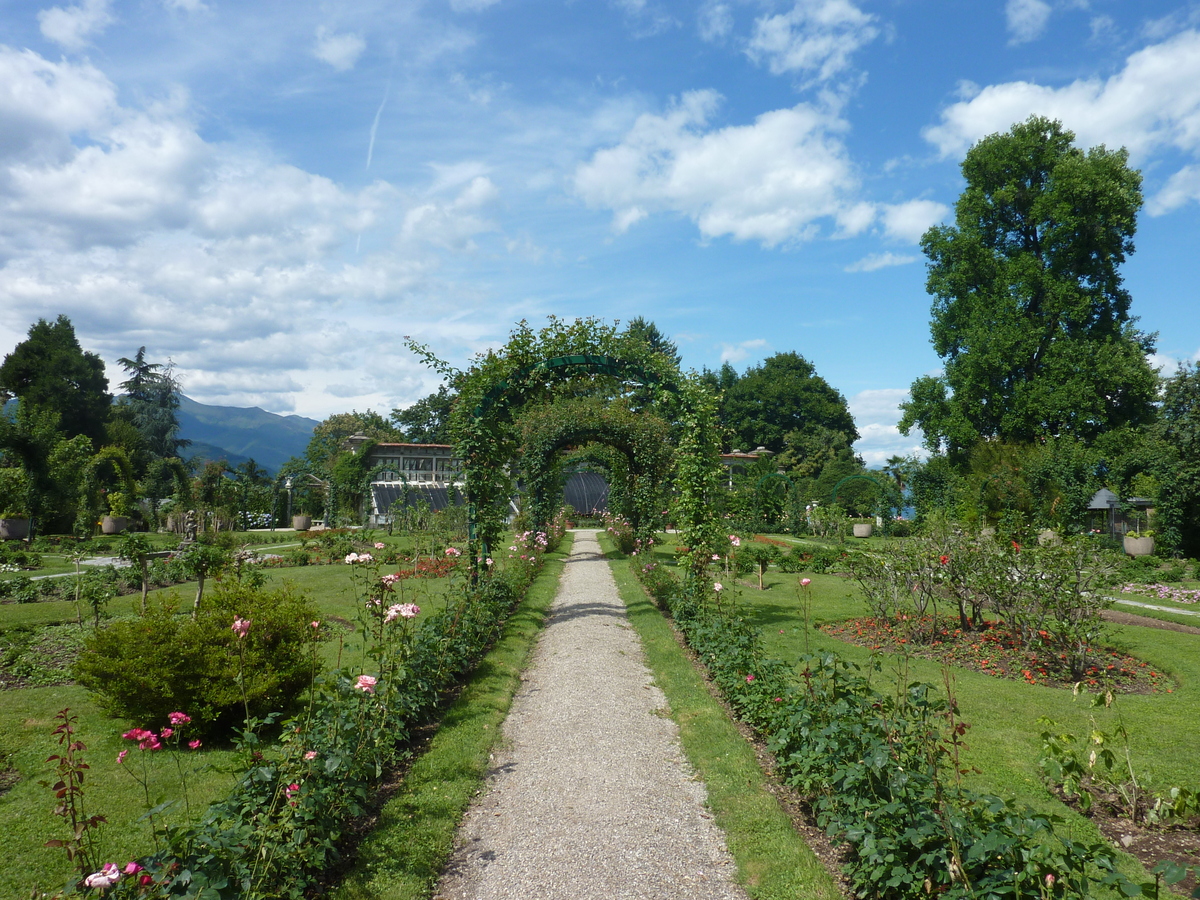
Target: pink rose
[(240, 626), (805, 582), (718, 587), (380, 545), (310, 755), (178, 718), (108, 875), (366, 684)]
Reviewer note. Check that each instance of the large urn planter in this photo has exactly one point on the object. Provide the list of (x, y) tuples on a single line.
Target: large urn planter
[(14, 529), (1139, 546), (1049, 538), (301, 523), (863, 529), (114, 524)]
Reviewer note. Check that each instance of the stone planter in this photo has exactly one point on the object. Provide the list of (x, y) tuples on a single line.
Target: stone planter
[(987, 532), (1049, 538), (1139, 546), (114, 524), (863, 529), (301, 523), (14, 529)]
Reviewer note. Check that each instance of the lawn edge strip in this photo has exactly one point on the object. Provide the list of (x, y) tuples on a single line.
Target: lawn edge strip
[(774, 862), (403, 856)]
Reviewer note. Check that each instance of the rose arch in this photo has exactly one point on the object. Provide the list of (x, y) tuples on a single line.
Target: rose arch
[(569, 365)]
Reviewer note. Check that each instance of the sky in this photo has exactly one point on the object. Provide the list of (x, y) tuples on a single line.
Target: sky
[(272, 195)]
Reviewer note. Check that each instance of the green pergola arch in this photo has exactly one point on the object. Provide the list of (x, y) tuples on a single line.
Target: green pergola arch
[(567, 361), (641, 438)]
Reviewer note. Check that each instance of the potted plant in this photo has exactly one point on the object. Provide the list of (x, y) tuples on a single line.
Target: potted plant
[(302, 521), (863, 527), (14, 504), (119, 512), (1139, 543)]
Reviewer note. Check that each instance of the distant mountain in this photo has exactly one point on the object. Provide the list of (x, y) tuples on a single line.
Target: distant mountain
[(236, 433)]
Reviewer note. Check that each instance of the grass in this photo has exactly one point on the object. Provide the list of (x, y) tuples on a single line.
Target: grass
[(26, 722), (1003, 742), (403, 856), (773, 860)]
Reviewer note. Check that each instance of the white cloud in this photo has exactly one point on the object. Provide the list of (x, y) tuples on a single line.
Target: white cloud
[(74, 26), (645, 18), (240, 268), (909, 220), (876, 413), (1152, 103), (735, 353), (1181, 187), (339, 50), (875, 261), (714, 21), (768, 181), (1026, 19), (453, 224), (188, 6), (816, 38)]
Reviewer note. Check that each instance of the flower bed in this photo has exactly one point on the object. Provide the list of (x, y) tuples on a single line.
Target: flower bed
[(994, 650)]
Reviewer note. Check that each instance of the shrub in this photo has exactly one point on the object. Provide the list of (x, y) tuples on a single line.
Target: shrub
[(147, 667)]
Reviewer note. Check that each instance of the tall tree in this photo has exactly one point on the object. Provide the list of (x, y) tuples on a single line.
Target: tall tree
[(152, 397), (328, 437), (1180, 432), (50, 371), (1029, 312), (783, 395), (428, 420), (646, 331)]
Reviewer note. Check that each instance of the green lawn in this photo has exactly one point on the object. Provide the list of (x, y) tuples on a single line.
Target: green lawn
[(26, 723), (1003, 740)]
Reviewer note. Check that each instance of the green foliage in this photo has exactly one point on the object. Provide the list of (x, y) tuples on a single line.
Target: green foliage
[(428, 420), (1029, 311), (15, 488), (152, 398), (784, 396), (49, 371), (161, 662)]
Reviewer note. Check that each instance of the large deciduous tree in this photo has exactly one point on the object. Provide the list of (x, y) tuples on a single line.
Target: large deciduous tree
[(49, 371), (1029, 312), (782, 396), (428, 420)]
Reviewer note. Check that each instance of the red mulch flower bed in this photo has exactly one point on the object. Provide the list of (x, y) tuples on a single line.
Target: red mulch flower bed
[(994, 650)]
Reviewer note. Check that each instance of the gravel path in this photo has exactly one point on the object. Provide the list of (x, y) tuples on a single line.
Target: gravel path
[(589, 797)]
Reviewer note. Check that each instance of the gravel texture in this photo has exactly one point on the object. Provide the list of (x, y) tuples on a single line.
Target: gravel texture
[(589, 796)]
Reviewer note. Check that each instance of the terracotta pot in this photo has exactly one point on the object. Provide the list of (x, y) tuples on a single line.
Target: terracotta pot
[(1139, 546), (14, 529), (114, 524), (863, 529), (301, 523)]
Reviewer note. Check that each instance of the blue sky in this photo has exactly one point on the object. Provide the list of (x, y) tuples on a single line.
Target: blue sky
[(273, 194)]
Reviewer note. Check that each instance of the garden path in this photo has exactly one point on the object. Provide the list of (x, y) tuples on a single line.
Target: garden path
[(589, 796)]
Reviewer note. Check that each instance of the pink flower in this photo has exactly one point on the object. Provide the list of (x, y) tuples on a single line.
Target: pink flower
[(137, 734), (778, 700), (178, 718), (749, 679), (366, 684), (409, 610), (380, 545), (389, 580), (735, 540), (314, 624), (150, 743), (718, 587), (1050, 879), (352, 558), (195, 745), (453, 552), (311, 754), (240, 626), (167, 732), (132, 868), (121, 756), (716, 557), (489, 561), (392, 614), (805, 582), (108, 875), (290, 792)]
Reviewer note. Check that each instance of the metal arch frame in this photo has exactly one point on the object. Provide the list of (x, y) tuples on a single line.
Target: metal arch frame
[(589, 363)]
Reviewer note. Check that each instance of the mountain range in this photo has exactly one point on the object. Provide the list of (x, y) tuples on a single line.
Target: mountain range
[(235, 433)]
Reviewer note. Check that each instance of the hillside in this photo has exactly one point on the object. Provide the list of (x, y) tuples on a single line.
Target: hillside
[(238, 433)]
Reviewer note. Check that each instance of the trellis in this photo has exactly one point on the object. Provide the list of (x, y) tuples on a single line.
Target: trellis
[(560, 362)]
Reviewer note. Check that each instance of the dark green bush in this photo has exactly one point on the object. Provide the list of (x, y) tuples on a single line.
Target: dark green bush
[(164, 661), (1139, 569)]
